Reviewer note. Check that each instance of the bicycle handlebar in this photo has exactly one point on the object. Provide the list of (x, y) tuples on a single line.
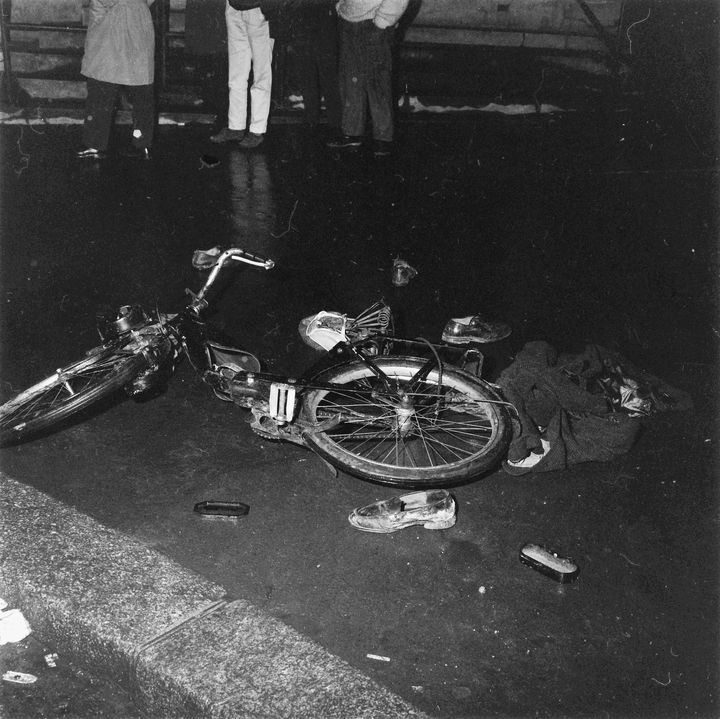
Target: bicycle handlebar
[(234, 253)]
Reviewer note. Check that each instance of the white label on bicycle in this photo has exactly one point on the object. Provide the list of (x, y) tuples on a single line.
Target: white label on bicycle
[(282, 402)]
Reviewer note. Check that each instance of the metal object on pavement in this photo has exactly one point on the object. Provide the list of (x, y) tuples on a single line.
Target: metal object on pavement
[(214, 508)]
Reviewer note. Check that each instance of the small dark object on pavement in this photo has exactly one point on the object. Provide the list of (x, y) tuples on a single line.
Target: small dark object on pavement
[(560, 569), (208, 161), (402, 272), (212, 508)]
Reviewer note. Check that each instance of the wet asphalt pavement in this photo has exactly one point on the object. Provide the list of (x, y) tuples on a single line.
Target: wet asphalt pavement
[(566, 227)]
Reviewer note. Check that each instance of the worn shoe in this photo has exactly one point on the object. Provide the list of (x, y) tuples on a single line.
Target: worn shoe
[(227, 135), (463, 330), (251, 141), (344, 141), (90, 153), (434, 509), (382, 148), (136, 153), (523, 466)]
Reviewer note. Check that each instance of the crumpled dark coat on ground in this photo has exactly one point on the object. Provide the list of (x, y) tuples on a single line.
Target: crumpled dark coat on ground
[(550, 391)]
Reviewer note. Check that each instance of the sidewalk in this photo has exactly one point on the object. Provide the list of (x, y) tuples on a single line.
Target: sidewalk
[(170, 637)]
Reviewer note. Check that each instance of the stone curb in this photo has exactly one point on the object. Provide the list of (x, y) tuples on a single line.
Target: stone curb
[(110, 603)]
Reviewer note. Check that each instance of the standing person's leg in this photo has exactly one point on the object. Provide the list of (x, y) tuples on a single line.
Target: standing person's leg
[(239, 63), (143, 113), (352, 84), (261, 46), (379, 84), (308, 76), (327, 70), (99, 109)]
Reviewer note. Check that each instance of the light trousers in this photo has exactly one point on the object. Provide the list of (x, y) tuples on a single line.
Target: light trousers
[(249, 46)]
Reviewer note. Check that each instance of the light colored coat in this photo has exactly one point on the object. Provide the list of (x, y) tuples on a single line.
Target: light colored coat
[(120, 42), (383, 13)]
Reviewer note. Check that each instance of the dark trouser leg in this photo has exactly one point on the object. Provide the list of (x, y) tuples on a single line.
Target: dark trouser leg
[(327, 68), (379, 83), (307, 73), (99, 109), (142, 98), (330, 88), (352, 77)]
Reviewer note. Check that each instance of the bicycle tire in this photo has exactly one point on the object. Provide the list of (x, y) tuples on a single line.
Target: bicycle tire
[(452, 436), (72, 388)]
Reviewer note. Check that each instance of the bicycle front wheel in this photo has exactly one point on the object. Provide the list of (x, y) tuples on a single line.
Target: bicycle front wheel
[(71, 389), (446, 429)]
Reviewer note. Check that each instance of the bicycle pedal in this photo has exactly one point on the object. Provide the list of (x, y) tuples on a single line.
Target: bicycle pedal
[(282, 402)]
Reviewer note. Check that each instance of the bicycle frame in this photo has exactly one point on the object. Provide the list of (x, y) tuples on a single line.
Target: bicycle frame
[(398, 419)]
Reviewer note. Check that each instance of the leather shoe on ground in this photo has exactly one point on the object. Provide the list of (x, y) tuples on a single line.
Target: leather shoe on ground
[(464, 330), (344, 141), (251, 141), (136, 153), (90, 153), (227, 135), (434, 509)]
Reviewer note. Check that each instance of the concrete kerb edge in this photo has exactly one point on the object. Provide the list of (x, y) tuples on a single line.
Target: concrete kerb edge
[(114, 605)]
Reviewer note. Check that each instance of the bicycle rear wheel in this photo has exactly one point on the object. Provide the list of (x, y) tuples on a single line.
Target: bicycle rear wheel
[(448, 429), (71, 389)]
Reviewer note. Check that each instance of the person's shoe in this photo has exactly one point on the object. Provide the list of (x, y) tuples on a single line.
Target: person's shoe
[(136, 153), (434, 509), (382, 148), (463, 330), (344, 141), (90, 153), (523, 466), (227, 135), (251, 141)]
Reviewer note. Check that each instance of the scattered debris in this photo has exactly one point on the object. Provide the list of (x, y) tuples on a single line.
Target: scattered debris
[(289, 225), (221, 509), (662, 684), (378, 657), (547, 562), (402, 272), (19, 678), (635, 564)]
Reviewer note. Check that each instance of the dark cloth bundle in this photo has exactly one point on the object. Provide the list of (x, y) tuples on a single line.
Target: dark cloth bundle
[(586, 406)]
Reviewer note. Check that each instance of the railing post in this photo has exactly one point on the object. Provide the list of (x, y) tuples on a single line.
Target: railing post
[(8, 77)]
